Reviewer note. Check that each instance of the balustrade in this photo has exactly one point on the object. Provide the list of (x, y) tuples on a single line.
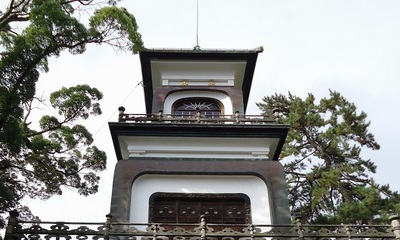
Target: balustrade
[(28, 230)]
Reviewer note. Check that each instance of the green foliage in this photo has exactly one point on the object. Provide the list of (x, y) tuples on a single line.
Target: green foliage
[(328, 180), (76, 102), (38, 163), (57, 155), (122, 23)]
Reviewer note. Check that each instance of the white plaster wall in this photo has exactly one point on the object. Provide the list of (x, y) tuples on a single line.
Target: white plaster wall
[(173, 97), (254, 187), (195, 147)]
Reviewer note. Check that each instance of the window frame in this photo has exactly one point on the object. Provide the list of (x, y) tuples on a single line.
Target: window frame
[(176, 202), (196, 102)]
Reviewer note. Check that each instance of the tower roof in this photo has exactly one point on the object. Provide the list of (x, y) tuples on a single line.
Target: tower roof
[(172, 66)]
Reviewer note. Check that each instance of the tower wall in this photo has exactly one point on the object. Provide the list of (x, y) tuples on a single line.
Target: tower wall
[(271, 173)]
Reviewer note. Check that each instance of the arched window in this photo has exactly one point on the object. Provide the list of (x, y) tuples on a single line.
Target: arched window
[(189, 106)]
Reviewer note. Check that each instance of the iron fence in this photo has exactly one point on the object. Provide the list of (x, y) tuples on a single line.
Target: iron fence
[(198, 117), (25, 230)]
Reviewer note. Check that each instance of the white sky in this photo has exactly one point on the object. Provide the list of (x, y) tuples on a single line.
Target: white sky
[(352, 46)]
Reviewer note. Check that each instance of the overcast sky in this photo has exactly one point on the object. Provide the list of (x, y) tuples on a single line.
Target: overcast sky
[(351, 46)]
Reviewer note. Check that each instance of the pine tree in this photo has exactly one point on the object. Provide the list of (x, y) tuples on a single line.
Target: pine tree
[(328, 180)]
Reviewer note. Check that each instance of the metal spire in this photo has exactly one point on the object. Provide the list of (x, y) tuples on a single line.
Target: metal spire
[(197, 47)]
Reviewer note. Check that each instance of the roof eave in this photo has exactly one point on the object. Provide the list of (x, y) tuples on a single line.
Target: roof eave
[(250, 56), (278, 131)]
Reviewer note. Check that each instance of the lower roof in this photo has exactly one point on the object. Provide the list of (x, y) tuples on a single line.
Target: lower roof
[(275, 132)]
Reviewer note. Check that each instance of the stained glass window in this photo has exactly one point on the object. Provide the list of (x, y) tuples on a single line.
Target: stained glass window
[(190, 106)]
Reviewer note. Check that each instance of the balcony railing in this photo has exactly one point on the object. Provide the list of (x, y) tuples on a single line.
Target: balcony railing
[(198, 118), (203, 231)]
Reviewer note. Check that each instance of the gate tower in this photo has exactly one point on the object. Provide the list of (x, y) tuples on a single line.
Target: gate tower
[(195, 151)]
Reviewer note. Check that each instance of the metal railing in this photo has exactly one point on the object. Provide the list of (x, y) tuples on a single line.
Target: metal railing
[(198, 117), (203, 231)]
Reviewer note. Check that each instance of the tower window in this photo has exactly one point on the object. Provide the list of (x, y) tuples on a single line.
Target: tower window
[(187, 208), (189, 107)]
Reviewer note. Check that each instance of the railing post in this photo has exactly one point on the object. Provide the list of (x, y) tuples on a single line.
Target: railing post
[(107, 227), (394, 220), (160, 115), (203, 227), (348, 231), (156, 229), (121, 111), (198, 116), (251, 231), (237, 117), (11, 225), (276, 113), (299, 227)]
